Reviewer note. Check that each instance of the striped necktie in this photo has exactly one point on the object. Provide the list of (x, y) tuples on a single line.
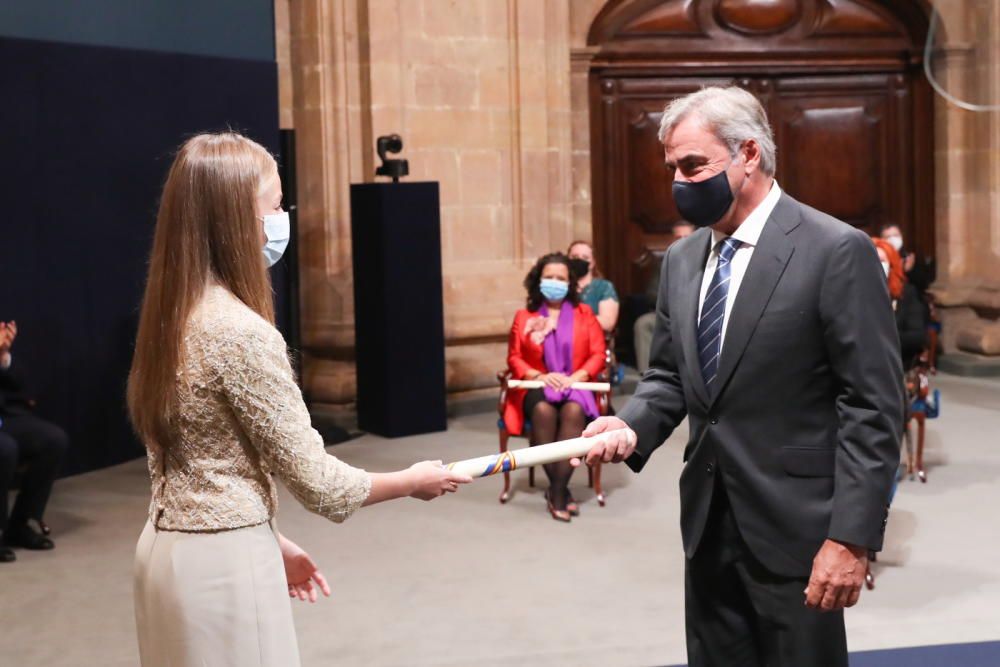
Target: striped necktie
[(713, 312)]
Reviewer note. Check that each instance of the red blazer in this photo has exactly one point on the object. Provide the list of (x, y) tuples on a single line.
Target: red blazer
[(524, 355)]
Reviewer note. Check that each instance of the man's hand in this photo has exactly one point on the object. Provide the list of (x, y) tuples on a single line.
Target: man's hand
[(837, 574), (614, 448)]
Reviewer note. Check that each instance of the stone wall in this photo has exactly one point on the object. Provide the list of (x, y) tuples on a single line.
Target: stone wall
[(479, 91), (491, 98), (967, 166)]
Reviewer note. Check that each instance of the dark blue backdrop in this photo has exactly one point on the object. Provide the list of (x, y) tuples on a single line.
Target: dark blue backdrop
[(86, 136)]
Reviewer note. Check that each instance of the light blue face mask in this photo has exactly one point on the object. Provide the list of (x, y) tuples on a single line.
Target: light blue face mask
[(278, 230), (554, 290)]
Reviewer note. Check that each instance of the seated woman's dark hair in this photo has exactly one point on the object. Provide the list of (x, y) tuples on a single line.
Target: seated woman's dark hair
[(533, 281)]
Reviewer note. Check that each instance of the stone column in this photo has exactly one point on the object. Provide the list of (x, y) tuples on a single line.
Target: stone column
[(479, 91), (968, 180), (333, 146)]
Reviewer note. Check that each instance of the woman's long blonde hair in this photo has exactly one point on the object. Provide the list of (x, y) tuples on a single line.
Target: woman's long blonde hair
[(206, 228)]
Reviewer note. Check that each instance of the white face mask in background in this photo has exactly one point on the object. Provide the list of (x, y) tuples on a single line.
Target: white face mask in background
[(885, 268), (278, 230), (895, 241)]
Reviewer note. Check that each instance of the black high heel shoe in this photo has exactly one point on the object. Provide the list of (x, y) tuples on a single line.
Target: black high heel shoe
[(26, 537)]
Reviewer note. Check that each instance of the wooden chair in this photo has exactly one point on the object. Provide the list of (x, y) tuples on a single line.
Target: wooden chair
[(593, 472), (919, 408)]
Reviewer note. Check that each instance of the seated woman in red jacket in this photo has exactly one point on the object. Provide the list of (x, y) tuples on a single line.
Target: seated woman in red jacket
[(559, 341)]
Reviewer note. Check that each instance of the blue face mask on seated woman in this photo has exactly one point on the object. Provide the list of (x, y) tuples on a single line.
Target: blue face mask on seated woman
[(554, 290)]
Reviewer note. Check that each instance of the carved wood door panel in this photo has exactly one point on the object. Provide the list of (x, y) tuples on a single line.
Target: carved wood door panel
[(843, 146), (636, 198)]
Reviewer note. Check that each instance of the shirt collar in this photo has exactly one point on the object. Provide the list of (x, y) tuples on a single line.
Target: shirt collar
[(749, 232)]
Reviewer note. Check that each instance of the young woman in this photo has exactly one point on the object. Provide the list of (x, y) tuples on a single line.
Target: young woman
[(557, 340), (212, 395)]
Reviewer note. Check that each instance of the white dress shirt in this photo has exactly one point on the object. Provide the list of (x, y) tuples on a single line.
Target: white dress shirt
[(749, 234)]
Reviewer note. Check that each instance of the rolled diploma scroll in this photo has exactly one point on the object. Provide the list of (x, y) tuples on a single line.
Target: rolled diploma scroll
[(484, 466), (538, 384)]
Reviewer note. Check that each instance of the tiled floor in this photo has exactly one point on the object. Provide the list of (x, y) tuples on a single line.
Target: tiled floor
[(466, 581)]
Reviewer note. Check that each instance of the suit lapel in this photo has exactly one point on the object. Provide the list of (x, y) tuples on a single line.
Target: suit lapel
[(687, 318), (768, 262)]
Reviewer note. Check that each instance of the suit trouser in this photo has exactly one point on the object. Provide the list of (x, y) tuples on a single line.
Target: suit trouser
[(38, 445), (738, 614), (643, 339)]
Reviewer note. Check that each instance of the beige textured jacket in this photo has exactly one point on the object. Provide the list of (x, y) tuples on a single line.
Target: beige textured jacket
[(242, 418)]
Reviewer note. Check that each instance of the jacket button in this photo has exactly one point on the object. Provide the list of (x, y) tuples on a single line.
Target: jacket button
[(714, 420), (709, 468)]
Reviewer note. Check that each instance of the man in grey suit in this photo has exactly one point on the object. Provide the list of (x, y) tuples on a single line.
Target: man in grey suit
[(774, 334)]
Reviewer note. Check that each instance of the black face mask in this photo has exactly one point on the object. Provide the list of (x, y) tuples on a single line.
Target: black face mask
[(705, 202), (579, 267)]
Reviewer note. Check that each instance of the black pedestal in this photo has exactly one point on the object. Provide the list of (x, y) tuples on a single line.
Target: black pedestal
[(399, 319)]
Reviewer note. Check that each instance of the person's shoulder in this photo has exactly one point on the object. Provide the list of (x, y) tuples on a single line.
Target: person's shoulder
[(522, 313), (223, 320), (699, 238), (605, 287), (585, 311), (824, 229)]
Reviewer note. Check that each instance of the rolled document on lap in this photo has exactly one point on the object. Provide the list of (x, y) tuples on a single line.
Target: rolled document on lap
[(538, 384), (484, 466)]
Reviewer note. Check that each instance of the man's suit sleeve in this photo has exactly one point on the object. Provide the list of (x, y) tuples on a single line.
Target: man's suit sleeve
[(863, 345), (658, 405)]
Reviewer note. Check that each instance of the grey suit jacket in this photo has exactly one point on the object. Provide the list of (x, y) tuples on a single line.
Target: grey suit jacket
[(805, 421)]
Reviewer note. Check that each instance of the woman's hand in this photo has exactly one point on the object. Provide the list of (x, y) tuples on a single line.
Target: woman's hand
[(557, 381), (301, 572), (8, 332), (430, 479)]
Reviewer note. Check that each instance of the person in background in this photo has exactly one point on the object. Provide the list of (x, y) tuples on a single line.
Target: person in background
[(29, 441), (920, 272), (643, 329), (595, 291), (558, 340), (774, 337), (908, 308)]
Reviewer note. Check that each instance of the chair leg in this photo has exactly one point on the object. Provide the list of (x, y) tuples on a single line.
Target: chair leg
[(590, 477), (908, 439), (505, 494), (921, 422), (531, 477), (597, 484)]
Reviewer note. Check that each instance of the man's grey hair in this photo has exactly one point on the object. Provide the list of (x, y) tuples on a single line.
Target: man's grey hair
[(733, 114)]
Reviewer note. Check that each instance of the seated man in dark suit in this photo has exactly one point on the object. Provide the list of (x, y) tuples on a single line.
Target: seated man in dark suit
[(25, 440)]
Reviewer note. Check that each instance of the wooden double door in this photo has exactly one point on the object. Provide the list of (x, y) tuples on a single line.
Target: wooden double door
[(846, 145), (853, 140)]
